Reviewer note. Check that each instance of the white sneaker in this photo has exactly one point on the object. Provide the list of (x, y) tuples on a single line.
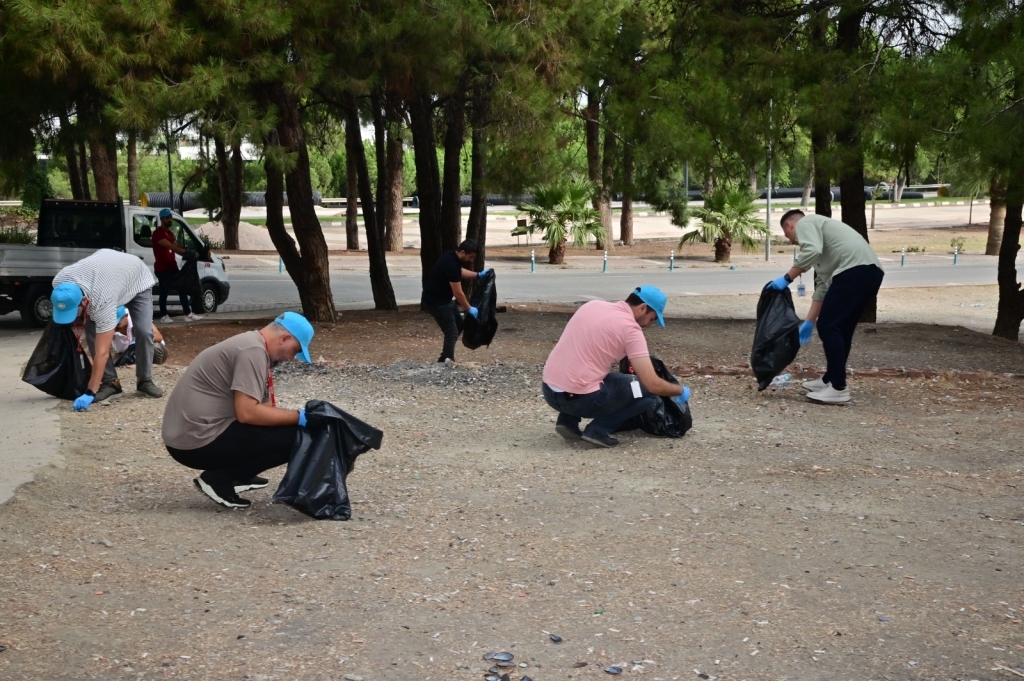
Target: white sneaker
[(829, 395), (166, 320), (192, 317), (815, 385)]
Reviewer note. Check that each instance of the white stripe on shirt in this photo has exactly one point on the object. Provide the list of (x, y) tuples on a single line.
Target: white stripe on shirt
[(109, 279)]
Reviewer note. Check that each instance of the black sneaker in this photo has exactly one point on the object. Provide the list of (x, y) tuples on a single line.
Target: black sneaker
[(108, 390), (255, 483), (223, 495), (600, 440), (568, 431)]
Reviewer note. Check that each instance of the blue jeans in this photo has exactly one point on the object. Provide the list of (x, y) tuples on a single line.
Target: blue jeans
[(164, 278), (610, 406)]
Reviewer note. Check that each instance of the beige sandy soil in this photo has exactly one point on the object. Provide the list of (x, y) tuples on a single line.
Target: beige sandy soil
[(777, 540)]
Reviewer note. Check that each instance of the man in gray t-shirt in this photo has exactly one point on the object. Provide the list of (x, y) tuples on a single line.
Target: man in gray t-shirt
[(222, 417)]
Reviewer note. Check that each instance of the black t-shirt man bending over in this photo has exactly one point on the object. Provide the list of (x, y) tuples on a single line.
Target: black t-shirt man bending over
[(445, 282)]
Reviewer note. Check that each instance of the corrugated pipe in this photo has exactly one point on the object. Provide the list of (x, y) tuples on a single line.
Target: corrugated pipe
[(191, 200)]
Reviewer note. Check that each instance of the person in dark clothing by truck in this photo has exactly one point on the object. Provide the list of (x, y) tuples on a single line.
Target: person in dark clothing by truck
[(445, 282)]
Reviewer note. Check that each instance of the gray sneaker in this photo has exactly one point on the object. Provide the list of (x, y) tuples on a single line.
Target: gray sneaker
[(108, 390), (149, 389)]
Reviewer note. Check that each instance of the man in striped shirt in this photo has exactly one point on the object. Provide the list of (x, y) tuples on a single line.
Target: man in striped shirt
[(90, 291)]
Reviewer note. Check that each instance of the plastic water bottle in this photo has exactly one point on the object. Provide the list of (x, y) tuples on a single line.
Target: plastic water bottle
[(781, 381), (801, 290)]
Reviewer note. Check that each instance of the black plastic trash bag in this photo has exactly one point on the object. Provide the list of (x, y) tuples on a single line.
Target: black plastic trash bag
[(324, 455), (667, 418), (776, 336), (186, 281), (481, 331), (58, 366)]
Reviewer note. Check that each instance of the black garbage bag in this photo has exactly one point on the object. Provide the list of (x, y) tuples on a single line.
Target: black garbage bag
[(324, 455), (667, 418), (58, 366), (186, 281), (481, 331), (776, 336)]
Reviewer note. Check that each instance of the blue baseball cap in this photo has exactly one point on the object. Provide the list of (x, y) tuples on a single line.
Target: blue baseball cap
[(654, 298), (121, 312), (66, 298), (299, 327), (165, 213)]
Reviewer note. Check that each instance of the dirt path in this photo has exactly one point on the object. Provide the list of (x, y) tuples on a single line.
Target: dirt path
[(777, 540)]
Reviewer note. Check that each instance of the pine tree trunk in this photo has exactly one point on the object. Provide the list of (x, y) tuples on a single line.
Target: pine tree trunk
[(476, 229), (997, 215), (351, 200), (314, 278), (229, 176), (133, 168), (626, 219), (71, 157), (805, 198), (451, 191), (103, 153), (592, 132), (709, 183), (83, 171), (1011, 299), (395, 191), (380, 280), (428, 181), (605, 191), (752, 179), (822, 181), (380, 152)]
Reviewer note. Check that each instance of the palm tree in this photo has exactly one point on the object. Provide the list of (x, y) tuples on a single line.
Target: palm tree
[(728, 214), (562, 210)]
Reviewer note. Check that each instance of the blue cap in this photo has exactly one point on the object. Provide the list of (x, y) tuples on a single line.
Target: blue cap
[(654, 298), (299, 327), (121, 312), (66, 298), (165, 213)]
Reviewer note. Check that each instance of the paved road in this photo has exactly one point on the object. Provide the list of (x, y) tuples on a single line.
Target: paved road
[(266, 289)]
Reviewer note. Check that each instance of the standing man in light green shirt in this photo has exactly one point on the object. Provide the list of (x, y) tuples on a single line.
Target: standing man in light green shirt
[(847, 275)]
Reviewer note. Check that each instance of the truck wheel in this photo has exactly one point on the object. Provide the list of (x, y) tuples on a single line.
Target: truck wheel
[(36, 308), (207, 304)]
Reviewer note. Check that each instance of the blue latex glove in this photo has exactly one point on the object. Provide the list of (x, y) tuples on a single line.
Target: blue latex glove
[(83, 401), (684, 398), (485, 272), (474, 313), (805, 331), (780, 283), (302, 418)]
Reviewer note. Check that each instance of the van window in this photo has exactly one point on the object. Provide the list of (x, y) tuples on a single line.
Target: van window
[(142, 229), (183, 236)]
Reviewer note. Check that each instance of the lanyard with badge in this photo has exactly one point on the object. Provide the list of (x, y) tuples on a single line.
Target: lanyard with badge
[(77, 330), (270, 376)]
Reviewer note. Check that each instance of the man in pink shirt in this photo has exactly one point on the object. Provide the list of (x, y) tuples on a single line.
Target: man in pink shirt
[(577, 379)]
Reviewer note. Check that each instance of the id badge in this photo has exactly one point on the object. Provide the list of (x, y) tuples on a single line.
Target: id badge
[(635, 385)]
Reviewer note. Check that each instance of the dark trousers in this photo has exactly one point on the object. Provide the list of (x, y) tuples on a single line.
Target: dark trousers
[(847, 296), (164, 278), (450, 320), (240, 452), (610, 407)]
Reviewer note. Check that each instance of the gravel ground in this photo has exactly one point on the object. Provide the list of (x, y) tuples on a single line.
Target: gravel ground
[(777, 540)]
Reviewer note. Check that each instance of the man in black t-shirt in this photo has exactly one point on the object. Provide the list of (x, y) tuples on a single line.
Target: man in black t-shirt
[(444, 282)]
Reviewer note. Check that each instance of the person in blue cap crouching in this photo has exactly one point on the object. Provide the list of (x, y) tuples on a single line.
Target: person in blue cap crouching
[(576, 380), (89, 292), (222, 417)]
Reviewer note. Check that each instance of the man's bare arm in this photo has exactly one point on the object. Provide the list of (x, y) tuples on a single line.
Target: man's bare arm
[(649, 379), (252, 412)]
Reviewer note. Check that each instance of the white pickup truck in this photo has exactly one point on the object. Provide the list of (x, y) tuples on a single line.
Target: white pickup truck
[(72, 230)]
